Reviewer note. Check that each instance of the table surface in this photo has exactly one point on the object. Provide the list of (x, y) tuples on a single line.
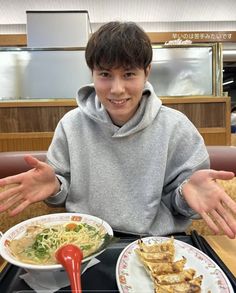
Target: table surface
[(99, 278)]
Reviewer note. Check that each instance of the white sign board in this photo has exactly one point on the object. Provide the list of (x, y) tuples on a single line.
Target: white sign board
[(57, 28)]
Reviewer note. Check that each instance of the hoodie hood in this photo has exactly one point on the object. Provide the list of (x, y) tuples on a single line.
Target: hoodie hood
[(149, 107)]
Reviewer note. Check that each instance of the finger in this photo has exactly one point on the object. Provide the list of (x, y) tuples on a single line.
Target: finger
[(16, 179), (5, 195), (230, 203), (210, 222), (10, 203), (229, 219), (32, 161), (222, 223), (19, 208), (222, 175)]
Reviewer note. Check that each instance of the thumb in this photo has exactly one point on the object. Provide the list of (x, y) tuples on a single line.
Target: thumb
[(222, 175), (32, 161)]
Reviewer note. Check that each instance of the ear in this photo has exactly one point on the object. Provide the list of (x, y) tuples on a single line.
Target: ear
[(148, 70)]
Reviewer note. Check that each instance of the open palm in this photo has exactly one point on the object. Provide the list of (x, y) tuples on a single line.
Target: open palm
[(34, 185), (208, 198)]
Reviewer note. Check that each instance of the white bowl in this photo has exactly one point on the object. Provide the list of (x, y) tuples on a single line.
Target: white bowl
[(18, 230)]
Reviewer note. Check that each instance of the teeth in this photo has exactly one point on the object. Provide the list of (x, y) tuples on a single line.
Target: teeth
[(118, 102)]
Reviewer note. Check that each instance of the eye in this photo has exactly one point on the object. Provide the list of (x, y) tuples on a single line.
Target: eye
[(129, 74), (104, 74)]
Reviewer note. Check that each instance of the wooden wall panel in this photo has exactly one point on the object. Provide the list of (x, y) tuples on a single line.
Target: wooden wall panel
[(24, 119), (204, 115), (13, 40), (26, 141), (30, 125), (216, 136), (211, 115)]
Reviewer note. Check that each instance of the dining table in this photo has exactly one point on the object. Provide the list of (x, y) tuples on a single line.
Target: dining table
[(102, 276)]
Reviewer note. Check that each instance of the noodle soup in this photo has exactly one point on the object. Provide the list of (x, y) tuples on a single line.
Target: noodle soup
[(100, 236), (39, 243)]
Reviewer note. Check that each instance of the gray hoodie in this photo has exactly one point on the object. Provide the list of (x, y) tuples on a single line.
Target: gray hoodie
[(128, 176)]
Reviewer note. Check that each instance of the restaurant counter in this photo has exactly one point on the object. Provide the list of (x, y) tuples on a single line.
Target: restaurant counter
[(102, 276)]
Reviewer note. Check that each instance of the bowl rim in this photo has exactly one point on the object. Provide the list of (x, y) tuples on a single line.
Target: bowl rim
[(4, 252)]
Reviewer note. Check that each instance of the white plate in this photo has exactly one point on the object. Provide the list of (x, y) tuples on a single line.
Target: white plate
[(132, 277), (18, 230)]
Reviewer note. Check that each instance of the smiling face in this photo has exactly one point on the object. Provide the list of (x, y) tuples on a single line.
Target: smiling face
[(119, 55), (120, 91)]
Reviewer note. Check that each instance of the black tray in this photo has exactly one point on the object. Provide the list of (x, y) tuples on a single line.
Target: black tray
[(99, 278)]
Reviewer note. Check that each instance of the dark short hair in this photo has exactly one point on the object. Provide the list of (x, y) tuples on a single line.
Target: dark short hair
[(119, 44)]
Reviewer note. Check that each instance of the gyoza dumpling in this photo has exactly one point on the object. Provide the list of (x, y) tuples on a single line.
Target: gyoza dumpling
[(157, 247), (155, 257), (166, 267), (184, 276), (193, 286)]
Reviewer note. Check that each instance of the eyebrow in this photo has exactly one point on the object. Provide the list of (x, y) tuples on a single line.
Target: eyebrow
[(102, 68), (109, 69)]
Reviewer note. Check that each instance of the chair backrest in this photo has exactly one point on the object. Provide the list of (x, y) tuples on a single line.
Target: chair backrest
[(222, 158), (12, 163)]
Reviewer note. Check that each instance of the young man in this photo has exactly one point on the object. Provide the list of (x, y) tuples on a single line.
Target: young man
[(122, 155)]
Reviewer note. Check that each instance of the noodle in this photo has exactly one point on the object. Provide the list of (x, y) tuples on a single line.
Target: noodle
[(39, 244)]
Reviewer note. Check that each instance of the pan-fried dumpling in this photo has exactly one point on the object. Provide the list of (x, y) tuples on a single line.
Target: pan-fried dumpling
[(193, 286), (184, 276), (155, 256), (168, 274), (165, 267), (157, 247)]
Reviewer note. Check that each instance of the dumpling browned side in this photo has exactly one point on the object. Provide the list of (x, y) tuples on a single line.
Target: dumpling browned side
[(168, 274), (193, 286)]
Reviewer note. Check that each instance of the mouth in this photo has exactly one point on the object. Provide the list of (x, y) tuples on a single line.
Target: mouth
[(119, 102)]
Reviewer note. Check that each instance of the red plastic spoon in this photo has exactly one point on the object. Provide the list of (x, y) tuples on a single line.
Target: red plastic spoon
[(70, 256)]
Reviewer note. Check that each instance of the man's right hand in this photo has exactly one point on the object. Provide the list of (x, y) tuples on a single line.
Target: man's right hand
[(32, 186)]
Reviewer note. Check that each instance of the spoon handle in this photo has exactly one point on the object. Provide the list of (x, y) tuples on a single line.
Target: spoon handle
[(70, 256), (74, 277)]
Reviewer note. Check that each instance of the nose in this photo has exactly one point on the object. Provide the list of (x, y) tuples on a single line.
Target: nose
[(117, 86)]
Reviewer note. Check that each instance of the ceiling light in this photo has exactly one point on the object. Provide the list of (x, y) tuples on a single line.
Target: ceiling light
[(228, 81), (229, 52)]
